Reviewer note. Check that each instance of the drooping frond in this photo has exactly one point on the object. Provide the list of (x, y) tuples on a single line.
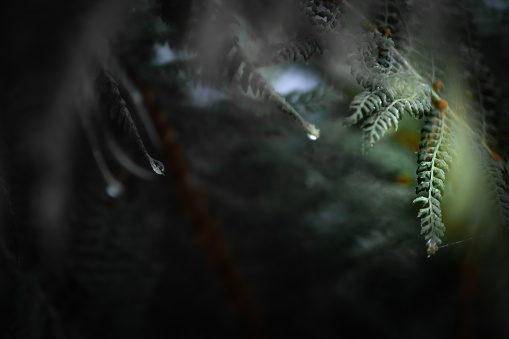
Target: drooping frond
[(112, 101)]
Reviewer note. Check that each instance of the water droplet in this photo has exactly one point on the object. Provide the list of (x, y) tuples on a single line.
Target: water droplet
[(157, 166), (114, 191), (313, 132)]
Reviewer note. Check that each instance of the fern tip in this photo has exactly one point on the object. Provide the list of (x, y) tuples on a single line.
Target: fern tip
[(432, 247)]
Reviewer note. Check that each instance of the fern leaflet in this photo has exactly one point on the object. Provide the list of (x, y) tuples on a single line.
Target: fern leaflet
[(364, 104)]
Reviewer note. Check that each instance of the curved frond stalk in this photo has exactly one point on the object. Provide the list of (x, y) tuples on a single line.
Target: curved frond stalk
[(114, 187), (434, 160), (125, 161), (112, 100)]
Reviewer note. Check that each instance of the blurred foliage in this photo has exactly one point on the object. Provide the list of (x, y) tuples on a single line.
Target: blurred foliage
[(255, 230)]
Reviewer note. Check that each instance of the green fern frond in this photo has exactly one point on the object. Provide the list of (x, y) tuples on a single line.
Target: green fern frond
[(375, 127), (391, 91), (397, 81), (434, 160)]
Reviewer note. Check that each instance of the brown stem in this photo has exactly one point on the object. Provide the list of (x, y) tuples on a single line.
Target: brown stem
[(207, 235)]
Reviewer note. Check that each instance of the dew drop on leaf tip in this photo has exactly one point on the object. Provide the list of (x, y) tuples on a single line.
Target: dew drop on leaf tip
[(157, 166), (313, 132)]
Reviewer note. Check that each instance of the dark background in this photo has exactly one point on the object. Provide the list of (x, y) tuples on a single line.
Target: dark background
[(255, 230)]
